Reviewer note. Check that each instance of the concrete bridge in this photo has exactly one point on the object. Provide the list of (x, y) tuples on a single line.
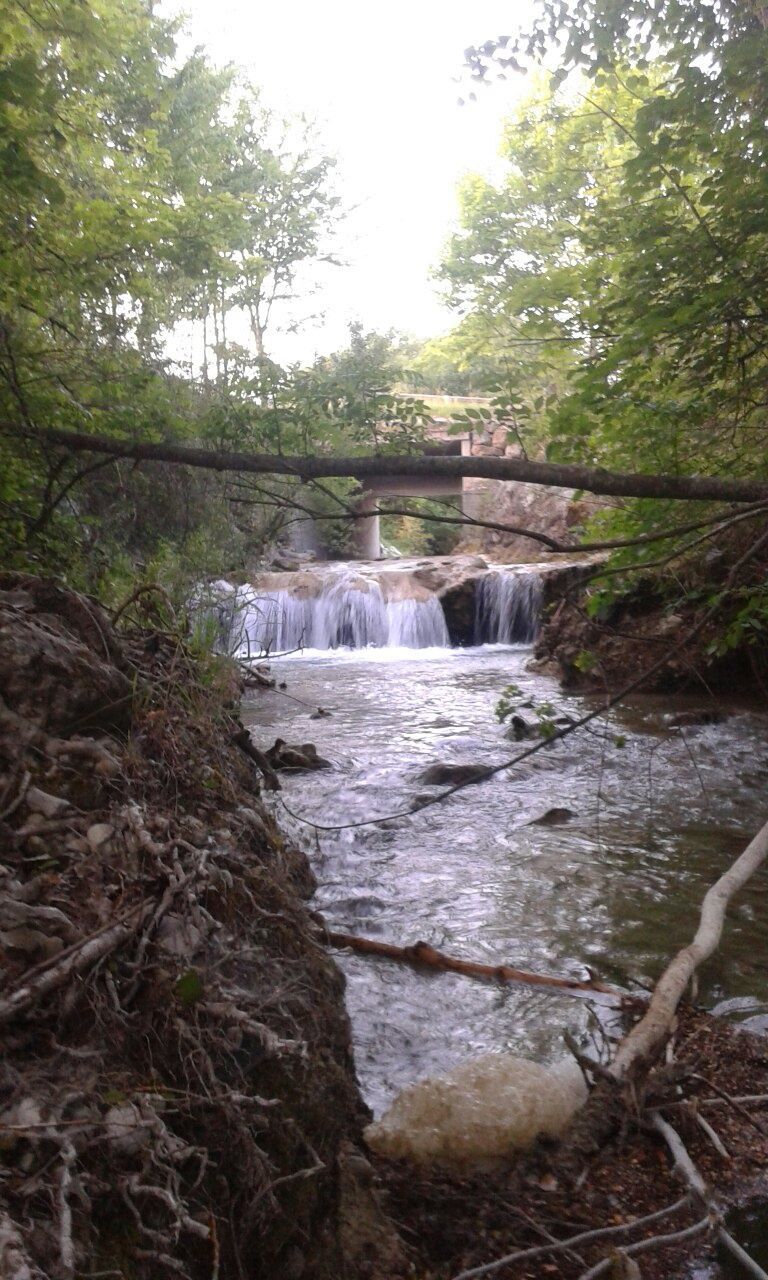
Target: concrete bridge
[(367, 532), (487, 438)]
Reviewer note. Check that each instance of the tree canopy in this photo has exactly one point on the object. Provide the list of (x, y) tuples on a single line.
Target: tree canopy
[(610, 288)]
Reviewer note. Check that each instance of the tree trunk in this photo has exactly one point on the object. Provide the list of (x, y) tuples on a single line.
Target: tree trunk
[(312, 466)]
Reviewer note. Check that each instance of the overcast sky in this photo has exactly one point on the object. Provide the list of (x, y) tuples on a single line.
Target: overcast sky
[(382, 81)]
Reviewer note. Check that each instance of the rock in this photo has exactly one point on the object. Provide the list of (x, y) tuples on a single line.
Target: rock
[(451, 775), (520, 729), (98, 834), (687, 719), (757, 1025), (178, 936), (458, 603), (282, 755), (31, 942), (284, 564), (127, 1130), (47, 805), (65, 673), (552, 818)]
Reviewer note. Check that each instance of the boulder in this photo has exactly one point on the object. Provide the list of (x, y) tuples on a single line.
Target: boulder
[(553, 818), (520, 729), (283, 755), (452, 775)]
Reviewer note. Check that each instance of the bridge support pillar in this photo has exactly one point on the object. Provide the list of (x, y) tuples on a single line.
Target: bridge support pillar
[(367, 531)]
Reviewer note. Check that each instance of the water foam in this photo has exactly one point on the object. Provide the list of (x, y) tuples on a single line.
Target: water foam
[(347, 612), (346, 608)]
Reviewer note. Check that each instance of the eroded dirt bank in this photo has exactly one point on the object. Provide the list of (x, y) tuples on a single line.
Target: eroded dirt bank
[(687, 628), (177, 1093)]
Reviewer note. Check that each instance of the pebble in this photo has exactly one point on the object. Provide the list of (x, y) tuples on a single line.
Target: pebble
[(98, 834)]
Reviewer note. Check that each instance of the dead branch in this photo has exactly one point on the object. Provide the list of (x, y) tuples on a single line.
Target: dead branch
[(76, 960), (244, 741), (14, 1262), (584, 1237), (644, 1246), (730, 1101), (687, 1170), (422, 955), (645, 1039), (310, 466)]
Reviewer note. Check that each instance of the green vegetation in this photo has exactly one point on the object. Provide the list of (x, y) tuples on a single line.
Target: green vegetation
[(609, 287), (143, 197)]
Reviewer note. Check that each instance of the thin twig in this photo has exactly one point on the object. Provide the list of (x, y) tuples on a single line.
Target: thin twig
[(584, 1237), (654, 1242)]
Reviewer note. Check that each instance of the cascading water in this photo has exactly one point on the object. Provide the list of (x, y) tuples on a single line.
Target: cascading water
[(347, 612), (507, 607), (357, 607)]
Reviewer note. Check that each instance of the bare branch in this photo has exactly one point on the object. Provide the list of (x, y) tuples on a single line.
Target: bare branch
[(584, 1237), (555, 475)]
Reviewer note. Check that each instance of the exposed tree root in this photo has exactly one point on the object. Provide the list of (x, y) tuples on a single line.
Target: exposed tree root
[(176, 1085)]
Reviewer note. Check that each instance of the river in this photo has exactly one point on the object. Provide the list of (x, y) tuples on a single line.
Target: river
[(616, 886)]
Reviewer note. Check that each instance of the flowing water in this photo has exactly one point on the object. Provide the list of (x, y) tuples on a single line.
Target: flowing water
[(616, 885)]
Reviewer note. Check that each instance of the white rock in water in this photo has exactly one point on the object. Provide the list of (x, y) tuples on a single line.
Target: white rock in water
[(481, 1111)]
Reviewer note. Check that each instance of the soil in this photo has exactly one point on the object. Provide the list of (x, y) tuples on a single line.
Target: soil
[(177, 1090), (651, 619)]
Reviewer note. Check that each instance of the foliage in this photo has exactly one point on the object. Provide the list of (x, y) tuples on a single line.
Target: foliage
[(137, 191), (642, 239), (627, 243), (416, 534)]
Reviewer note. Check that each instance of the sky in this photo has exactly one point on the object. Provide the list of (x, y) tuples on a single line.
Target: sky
[(383, 83)]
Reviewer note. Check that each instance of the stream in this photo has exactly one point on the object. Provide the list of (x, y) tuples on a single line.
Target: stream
[(616, 885)]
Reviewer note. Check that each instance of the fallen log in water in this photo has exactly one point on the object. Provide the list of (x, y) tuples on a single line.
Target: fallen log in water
[(422, 954)]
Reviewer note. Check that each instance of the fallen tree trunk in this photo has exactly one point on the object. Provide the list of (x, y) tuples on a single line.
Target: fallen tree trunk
[(316, 466), (421, 954)]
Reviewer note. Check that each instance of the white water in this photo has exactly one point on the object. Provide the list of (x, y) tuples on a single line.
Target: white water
[(354, 607), (341, 616), (507, 607), (616, 887)]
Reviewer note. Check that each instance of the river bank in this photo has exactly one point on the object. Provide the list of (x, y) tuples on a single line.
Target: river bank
[(178, 1093), (697, 626), (647, 814)]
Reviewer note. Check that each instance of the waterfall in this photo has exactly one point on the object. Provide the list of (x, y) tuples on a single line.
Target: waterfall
[(507, 607), (345, 613), (417, 624), (342, 607)]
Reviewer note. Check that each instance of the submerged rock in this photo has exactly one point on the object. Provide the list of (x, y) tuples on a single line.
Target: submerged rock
[(553, 818), (451, 775), (701, 716)]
